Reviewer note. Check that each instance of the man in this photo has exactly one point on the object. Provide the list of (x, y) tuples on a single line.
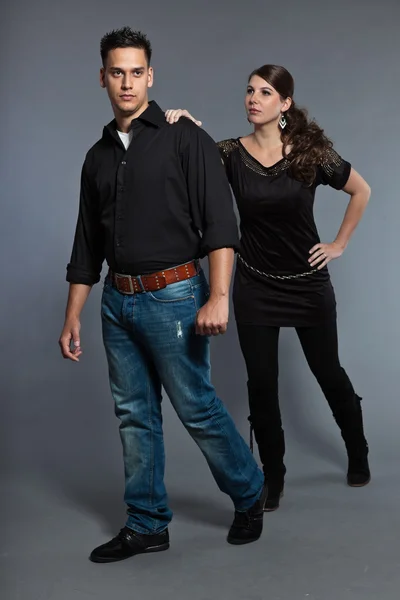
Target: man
[(154, 199)]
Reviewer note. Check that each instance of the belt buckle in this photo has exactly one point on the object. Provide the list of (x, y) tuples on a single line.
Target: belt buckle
[(123, 291)]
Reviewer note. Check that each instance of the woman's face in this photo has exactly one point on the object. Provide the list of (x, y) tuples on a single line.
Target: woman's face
[(263, 103)]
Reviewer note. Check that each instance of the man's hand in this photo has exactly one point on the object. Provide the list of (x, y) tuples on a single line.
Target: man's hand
[(212, 318), (70, 335), (78, 294)]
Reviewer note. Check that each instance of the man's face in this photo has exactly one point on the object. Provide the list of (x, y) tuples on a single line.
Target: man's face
[(127, 77)]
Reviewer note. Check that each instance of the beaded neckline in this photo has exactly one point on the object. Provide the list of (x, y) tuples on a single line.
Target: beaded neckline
[(330, 161), (253, 164)]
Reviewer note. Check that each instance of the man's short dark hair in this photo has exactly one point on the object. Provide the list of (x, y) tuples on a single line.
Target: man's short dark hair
[(124, 38)]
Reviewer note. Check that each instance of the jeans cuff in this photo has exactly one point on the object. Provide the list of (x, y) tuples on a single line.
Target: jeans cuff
[(245, 505), (138, 529)]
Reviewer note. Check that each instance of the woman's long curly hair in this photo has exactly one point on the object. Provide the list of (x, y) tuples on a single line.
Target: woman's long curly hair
[(306, 139)]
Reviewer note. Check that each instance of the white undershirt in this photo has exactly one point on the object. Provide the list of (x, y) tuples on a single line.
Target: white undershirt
[(126, 138)]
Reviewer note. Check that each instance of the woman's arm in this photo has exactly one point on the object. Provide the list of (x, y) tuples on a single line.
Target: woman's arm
[(359, 192)]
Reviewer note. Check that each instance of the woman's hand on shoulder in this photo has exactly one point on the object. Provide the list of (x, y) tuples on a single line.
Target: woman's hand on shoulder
[(173, 115)]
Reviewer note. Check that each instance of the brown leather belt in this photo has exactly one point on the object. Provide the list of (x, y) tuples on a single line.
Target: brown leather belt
[(128, 284)]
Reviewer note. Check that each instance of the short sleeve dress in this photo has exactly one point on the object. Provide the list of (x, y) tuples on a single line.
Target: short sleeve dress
[(274, 283)]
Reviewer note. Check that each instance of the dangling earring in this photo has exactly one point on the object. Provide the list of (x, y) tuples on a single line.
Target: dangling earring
[(282, 121)]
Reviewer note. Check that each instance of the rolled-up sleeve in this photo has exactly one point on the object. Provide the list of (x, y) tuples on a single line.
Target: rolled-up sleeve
[(210, 196), (88, 248)]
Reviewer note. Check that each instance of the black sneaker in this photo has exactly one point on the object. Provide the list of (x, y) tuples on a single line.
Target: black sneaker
[(128, 543), (247, 526)]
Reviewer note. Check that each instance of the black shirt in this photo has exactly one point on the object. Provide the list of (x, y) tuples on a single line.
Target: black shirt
[(277, 232), (163, 202)]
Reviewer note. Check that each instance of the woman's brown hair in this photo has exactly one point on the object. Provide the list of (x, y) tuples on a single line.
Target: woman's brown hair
[(309, 144)]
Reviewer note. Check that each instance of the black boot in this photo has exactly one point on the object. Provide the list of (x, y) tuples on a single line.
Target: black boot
[(271, 448), (350, 421), (128, 543), (274, 492), (247, 526), (358, 473)]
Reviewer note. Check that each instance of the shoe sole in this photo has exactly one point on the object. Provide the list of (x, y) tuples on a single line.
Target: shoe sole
[(235, 542), (149, 550), (358, 485), (273, 509)]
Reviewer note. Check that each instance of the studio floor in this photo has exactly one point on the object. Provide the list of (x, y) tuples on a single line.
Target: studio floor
[(326, 542)]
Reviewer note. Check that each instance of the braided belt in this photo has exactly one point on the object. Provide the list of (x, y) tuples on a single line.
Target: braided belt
[(271, 276)]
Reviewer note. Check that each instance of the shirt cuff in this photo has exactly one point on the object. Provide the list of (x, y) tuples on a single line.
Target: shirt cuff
[(213, 240), (78, 274)]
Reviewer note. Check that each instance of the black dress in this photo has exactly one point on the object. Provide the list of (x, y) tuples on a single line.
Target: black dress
[(277, 232)]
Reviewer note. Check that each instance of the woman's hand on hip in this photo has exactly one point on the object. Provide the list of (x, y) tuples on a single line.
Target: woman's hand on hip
[(321, 254)]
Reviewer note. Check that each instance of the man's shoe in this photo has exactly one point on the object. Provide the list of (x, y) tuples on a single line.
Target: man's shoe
[(128, 543), (247, 526)]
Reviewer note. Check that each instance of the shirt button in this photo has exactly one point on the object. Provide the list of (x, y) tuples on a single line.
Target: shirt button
[(123, 162)]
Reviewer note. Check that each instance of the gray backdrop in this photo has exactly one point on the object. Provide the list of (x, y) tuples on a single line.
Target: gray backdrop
[(60, 456)]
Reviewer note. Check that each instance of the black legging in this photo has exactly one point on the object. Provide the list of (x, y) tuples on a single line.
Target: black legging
[(259, 345)]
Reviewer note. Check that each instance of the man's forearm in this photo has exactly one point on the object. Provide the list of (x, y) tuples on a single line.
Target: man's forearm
[(221, 265), (78, 294)]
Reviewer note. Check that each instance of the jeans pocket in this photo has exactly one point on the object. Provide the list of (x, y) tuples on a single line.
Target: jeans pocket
[(175, 292), (201, 294), (107, 283)]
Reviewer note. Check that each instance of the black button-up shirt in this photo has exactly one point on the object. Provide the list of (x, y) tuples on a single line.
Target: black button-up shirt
[(163, 202)]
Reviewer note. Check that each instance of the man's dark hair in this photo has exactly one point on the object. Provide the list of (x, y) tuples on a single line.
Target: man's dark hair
[(124, 38)]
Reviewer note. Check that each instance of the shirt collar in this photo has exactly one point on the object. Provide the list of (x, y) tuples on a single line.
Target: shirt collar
[(153, 115)]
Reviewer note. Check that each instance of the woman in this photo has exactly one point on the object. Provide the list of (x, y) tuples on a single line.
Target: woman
[(282, 278)]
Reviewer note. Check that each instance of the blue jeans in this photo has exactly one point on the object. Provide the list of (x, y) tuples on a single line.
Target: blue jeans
[(150, 342)]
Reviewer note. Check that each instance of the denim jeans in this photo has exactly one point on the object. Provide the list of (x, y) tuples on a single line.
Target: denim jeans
[(150, 342)]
